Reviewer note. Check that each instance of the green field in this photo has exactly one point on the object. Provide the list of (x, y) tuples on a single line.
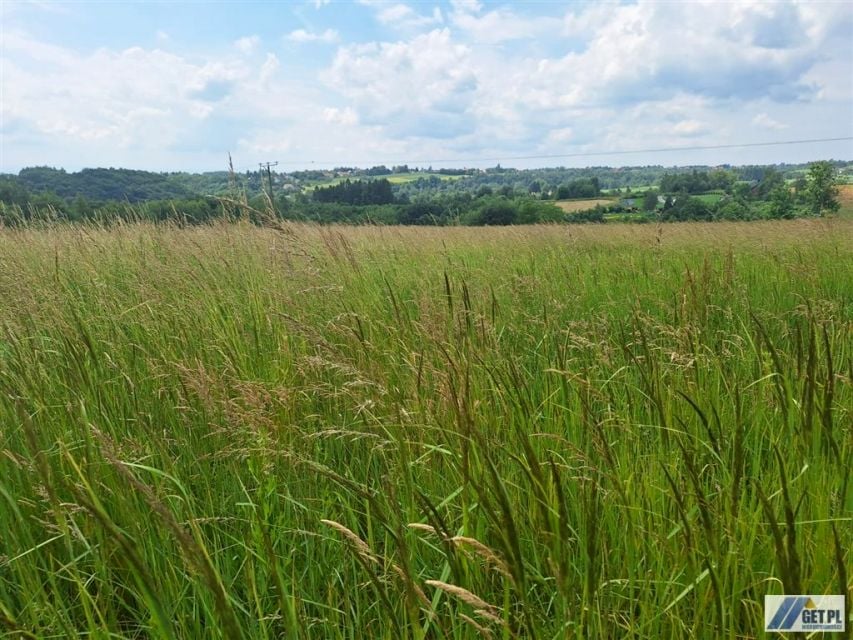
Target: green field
[(711, 197), (393, 178), (584, 204), (621, 431), (402, 178)]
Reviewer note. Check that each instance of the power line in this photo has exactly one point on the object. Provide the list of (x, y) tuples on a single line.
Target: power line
[(582, 154)]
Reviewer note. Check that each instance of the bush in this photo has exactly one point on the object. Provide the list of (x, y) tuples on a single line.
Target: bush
[(687, 208), (497, 212)]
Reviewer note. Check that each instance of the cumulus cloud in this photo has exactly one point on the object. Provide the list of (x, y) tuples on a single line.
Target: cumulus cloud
[(466, 6), (500, 25), (690, 128), (247, 44), (674, 70), (766, 122), (139, 100), (301, 35), (403, 16), (345, 117), (468, 80), (564, 134), (428, 74), (649, 51)]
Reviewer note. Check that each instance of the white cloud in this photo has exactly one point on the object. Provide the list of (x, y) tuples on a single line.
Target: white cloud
[(247, 44), (346, 116), (301, 35), (650, 51), (402, 16), (269, 68), (501, 25), (678, 72), (138, 99), (564, 134), (766, 122), (690, 128), (600, 77), (395, 13), (426, 81), (466, 6), (160, 110)]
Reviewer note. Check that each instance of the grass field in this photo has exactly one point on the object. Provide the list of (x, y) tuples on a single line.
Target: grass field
[(402, 178), (710, 198), (393, 178), (573, 206), (845, 199), (623, 431)]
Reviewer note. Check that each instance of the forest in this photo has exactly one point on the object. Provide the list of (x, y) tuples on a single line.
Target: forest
[(402, 195)]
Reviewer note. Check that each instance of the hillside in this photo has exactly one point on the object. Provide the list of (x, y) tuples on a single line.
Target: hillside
[(379, 195), (111, 184)]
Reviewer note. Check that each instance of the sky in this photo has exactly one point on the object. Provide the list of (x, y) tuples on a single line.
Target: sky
[(177, 86)]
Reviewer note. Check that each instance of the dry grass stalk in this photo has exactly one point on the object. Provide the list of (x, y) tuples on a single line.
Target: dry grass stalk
[(490, 615), (465, 596), (483, 631), (484, 552), (359, 544), (366, 554), (422, 527), (489, 555), (407, 580)]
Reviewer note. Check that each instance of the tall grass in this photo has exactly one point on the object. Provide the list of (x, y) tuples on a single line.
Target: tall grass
[(544, 432)]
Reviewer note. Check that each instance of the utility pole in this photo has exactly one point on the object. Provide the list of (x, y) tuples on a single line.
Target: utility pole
[(267, 165)]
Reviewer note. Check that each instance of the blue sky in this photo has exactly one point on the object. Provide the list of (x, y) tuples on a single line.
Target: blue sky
[(316, 83)]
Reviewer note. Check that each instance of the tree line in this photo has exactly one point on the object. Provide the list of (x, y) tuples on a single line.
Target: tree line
[(359, 192), (694, 194)]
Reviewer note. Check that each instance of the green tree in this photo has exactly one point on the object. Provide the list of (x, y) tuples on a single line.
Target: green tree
[(742, 190), (821, 189), (650, 200), (497, 211), (800, 185), (13, 192), (722, 179), (733, 209), (781, 202), (770, 181), (80, 208), (687, 208)]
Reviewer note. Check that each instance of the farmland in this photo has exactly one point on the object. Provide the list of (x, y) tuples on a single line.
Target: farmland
[(402, 178), (407, 196), (393, 178), (230, 431), (573, 206), (845, 199)]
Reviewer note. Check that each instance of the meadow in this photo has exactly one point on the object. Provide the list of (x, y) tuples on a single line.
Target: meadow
[(393, 178), (227, 431), (573, 206)]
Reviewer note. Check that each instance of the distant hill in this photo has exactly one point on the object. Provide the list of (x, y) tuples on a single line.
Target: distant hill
[(104, 184), (47, 185)]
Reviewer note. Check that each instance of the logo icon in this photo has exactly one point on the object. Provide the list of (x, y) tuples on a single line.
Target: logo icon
[(804, 613)]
